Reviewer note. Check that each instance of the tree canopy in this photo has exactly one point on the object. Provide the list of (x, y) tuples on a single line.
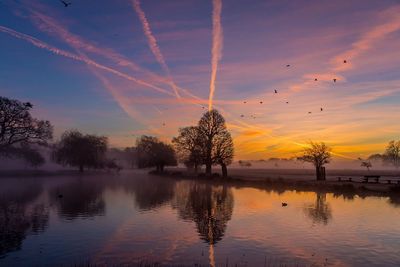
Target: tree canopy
[(318, 154), (188, 145), (17, 126), (223, 151), (79, 150), (151, 152), (20, 132), (218, 145), (392, 153)]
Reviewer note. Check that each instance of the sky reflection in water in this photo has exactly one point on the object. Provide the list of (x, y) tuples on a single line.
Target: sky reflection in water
[(138, 218)]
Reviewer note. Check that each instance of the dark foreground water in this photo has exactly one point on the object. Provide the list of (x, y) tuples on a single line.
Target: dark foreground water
[(136, 218)]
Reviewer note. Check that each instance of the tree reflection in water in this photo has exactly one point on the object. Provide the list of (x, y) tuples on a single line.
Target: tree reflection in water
[(210, 207), (19, 217), (319, 212), (81, 198), (150, 193)]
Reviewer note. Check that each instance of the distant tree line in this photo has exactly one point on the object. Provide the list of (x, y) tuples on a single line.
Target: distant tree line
[(208, 144)]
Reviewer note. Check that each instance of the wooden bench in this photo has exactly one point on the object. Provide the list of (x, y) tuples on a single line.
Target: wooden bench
[(390, 181), (375, 177), (343, 179)]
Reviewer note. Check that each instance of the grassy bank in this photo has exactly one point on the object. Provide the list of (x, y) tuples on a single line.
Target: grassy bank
[(283, 183)]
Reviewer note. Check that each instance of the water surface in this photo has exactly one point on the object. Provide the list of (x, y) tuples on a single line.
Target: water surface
[(136, 218)]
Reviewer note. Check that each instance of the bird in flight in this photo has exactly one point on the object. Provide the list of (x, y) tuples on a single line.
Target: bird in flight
[(316, 79), (242, 116), (345, 61), (66, 4), (322, 109), (309, 112), (275, 91), (244, 102), (287, 65), (261, 102), (287, 102), (334, 80)]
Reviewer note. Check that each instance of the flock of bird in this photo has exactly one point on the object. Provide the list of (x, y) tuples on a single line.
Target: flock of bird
[(67, 4), (287, 102)]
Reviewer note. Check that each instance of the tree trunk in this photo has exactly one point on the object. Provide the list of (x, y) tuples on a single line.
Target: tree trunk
[(80, 168), (224, 170), (196, 168), (208, 168), (208, 158), (320, 171)]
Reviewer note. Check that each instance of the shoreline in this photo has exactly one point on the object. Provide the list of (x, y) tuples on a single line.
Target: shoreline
[(345, 188)]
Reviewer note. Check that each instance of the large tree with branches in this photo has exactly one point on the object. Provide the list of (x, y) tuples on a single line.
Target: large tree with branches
[(223, 151), (392, 153), (151, 152), (318, 154), (188, 145), (19, 130), (217, 142), (82, 151)]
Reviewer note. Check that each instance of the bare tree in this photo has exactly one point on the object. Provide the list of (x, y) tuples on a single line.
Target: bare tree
[(152, 152), (188, 145), (318, 154), (82, 151), (17, 127), (365, 163), (223, 151), (211, 128), (392, 153)]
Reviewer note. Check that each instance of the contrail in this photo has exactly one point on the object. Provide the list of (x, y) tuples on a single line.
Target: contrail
[(63, 53), (216, 52), (152, 42), (49, 25)]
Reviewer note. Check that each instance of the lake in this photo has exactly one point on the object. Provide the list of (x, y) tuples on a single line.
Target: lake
[(135, 218)]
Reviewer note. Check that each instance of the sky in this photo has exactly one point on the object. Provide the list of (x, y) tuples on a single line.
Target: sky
[(125, 68)]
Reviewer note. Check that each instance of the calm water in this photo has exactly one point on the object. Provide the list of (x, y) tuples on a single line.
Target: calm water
[(135, 218)]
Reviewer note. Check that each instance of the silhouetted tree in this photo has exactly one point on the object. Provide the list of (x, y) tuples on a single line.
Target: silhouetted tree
[(366, 164), (243, 163), (223, 151), (83, 151), (18, 130), (375, 157), (318, 154), (392, 153), (212, 130), (131, 156), (154, 153), (188, 145), (32, 156)]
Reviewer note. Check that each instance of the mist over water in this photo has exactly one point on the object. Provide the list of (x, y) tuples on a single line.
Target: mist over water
[(135, 217)]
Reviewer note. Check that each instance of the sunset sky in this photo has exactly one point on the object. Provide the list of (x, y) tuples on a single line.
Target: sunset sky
[(125, 68)]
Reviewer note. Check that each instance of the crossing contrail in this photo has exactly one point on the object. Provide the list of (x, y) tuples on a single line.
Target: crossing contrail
[(152, 42), (49, 25), (216, 51), (60, 52)]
